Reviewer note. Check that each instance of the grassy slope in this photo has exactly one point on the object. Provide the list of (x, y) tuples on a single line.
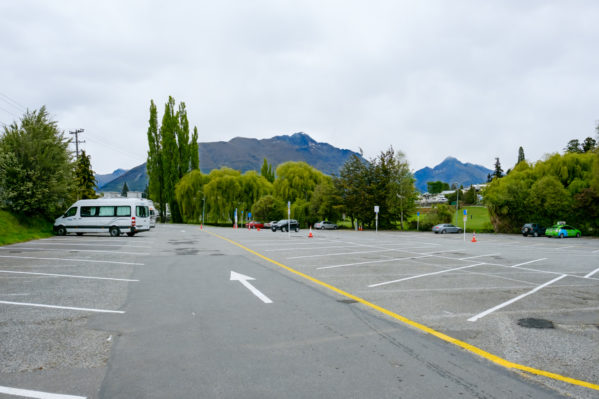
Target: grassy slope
[(14, 229)]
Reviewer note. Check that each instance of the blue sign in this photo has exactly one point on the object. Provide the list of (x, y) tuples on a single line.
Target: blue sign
[(249, 214), (465, 212), (417, 213)]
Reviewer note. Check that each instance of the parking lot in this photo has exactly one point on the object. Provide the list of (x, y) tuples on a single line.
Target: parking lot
[(532, 301), (50, 290)]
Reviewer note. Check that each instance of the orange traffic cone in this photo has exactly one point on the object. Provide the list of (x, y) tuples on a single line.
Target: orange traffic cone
[(310, 235), (257, 228), (474, 236)]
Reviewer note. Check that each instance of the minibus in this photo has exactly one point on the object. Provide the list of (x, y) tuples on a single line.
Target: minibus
[(105, 215)]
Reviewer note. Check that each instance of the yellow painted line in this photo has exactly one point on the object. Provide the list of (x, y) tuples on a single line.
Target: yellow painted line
[(471, 348)]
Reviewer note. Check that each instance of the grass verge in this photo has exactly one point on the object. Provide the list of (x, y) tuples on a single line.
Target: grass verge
[(15, 229)]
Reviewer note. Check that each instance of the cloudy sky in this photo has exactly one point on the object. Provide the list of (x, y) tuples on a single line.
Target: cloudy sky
[(470, 79)]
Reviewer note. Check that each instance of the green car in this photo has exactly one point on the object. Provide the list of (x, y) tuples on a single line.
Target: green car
[(561, 231)]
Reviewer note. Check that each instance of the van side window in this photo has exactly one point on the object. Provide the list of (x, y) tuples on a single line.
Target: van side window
[(106, 211), (142, 211), (88, 211), (123, 211), (71, 212)]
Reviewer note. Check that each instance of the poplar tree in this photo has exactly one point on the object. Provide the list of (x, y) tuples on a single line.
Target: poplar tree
[(183, 140), (194, 150), (154, 163), (267, 172), (84, 175), (170, 154), (125, 190)]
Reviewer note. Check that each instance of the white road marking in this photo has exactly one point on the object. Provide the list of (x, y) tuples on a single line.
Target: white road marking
[(69, 276), (73, 260), (477, 256), (526, 263), (342, 253), (40, 305), (372, 261), (312, 248), (87, 245), (78, 250), (26, 393), (502, 305), (424, 275), (243, 279), (591, 273), (594, 252)]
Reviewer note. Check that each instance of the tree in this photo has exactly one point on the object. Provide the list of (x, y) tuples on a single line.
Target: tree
[(170, 155), (498, 173), (36, 168), (588, 144), (520, 155), (85, 179), (435, 187), (194, 150), (401, 193), (154, 163), (183, 141), (470, 197), (267, 172), (353, 185), (573, 146), (125, 190), (268, 208)]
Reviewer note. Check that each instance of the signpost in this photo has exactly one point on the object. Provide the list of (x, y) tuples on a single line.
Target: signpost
[(376, 223), (288, 219), (417, 220), (465, 218)]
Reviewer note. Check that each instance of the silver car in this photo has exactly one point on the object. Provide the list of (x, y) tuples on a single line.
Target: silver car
[(325, 225), (446, 228)]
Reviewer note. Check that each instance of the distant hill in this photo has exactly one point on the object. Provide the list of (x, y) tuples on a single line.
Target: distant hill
[(103, 179), (451, 171), (248, 154)]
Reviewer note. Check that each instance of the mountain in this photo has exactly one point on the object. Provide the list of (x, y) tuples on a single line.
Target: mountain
[(103, 179), (451, 171), (248, 154)]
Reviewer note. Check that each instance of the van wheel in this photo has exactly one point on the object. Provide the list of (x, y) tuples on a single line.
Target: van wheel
[(114, 231), (61, 231)]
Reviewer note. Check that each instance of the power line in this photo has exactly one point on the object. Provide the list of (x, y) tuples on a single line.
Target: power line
[(7, 111), (13, 102)]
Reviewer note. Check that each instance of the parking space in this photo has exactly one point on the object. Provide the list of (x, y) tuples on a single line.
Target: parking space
[(49, 290), (483, 292)]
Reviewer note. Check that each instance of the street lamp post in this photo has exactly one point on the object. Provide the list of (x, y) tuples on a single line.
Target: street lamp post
[(457, 202), (203, 210)]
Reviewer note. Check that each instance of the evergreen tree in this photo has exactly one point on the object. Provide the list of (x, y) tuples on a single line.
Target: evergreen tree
[(588, 144), (84, 176), (520, 155), (498, 171), (125, 190), (573, 146), (194, 150), (267, 172)]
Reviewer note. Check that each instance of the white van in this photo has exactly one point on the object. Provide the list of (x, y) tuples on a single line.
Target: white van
[(112, 215), (153, 213)]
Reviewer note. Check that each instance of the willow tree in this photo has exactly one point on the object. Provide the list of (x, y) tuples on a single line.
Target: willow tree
[(189, 192), (296, 180)]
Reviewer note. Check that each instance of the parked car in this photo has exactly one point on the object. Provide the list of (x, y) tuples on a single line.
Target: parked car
[(268, 225), (561, 231), (285, 224), (533, 229), (446, 228), (325, 225), (255, 225)]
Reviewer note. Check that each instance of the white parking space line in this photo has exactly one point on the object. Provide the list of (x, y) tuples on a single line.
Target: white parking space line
[(40, 305), (591, 273), (526, 263), (73, 260), (502, 305), (424, 275), (86, 245), (594, 252), (342, 253), (478, 256), (312, 248), (79, 250), (372, 261), (26, 393), (69, 276)]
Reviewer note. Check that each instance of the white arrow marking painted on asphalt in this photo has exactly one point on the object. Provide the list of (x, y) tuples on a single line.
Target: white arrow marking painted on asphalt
[(243, 279)]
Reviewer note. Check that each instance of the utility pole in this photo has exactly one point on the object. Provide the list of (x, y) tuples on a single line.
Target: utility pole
[(76, 133)]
